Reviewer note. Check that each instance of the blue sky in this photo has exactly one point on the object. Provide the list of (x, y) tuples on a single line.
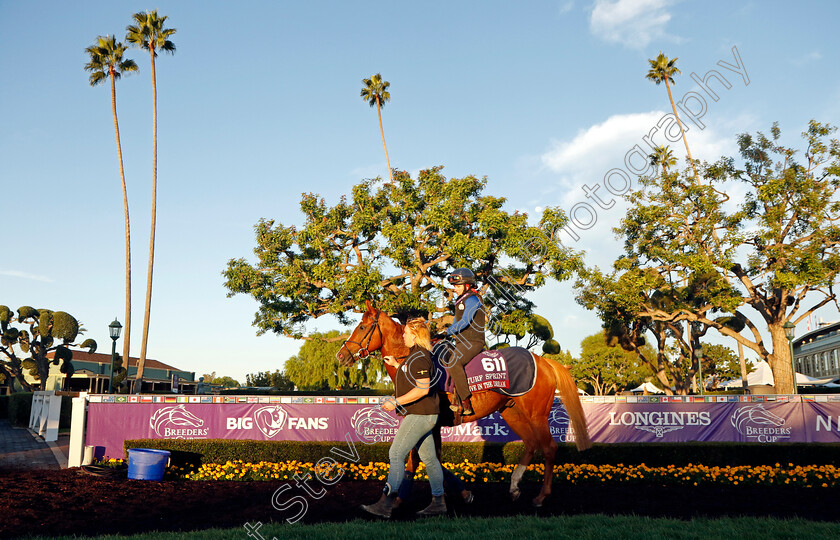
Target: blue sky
[(261, 103)]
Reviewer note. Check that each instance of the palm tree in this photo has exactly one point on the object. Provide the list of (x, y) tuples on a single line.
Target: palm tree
[(662, 69), (375, 92), (148, 33), (106, 61), (663, 157)]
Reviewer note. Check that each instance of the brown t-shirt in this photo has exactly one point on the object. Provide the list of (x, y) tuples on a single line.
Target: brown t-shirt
[(417, 366)]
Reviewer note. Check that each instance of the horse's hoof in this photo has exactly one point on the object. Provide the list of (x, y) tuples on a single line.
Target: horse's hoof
[(514, 495), (468, 497), (537, 503)]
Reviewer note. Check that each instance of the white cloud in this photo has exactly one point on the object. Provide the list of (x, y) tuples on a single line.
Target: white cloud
[(615, 136), (25, 275), (632, 23), (566, 7), (604, 146), (587, 158)]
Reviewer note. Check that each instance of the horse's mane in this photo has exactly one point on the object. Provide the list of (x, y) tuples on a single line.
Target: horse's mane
[(394, 338)]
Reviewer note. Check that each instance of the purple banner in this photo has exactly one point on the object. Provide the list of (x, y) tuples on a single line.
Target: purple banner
[(110, 422)]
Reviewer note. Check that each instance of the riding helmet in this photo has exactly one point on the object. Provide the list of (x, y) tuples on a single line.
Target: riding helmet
[(461, 276)]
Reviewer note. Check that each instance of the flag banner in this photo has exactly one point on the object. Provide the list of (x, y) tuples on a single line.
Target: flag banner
[(808, 420)]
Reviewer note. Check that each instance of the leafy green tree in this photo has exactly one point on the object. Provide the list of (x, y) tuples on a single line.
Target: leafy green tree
[(106, 62), (148, 32), (276, 379), (315, 367), (375, 92), (395, 245), (608, 369), (663, 69), (691, 257), (674, 365), (720, 363), (49, 332), (217, 380), (226, 381)]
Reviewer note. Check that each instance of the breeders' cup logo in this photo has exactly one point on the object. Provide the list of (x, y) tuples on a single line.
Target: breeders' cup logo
[(660, 422), (558, 423), (270, 419), (757, 423), (177, 423), (373, 424)]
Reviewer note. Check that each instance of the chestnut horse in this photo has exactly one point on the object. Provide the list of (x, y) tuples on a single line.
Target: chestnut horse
[(527, 415)]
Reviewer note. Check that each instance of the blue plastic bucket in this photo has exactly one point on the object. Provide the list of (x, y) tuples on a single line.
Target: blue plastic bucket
[(147, 464)]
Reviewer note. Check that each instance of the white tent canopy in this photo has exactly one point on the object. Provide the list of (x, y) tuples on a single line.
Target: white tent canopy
[(647, 387), (763, 375)]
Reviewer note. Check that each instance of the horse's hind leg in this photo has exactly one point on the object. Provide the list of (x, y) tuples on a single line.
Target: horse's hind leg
[(408, 480), (449, 477), (519, 423), (549, 449)]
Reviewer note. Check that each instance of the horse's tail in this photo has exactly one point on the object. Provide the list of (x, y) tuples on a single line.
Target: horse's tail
[(571, 400)]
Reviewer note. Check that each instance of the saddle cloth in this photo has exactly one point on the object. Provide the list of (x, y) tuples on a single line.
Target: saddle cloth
[(511, 371)]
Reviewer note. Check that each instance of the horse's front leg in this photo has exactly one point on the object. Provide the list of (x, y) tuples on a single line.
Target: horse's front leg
[(408, 480), (449, 477)]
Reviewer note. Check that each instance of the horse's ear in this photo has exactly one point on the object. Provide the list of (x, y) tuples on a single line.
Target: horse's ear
[(369, 305)]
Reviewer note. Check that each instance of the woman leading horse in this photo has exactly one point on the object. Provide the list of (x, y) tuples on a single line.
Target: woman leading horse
[(527, 414), (417, 401)]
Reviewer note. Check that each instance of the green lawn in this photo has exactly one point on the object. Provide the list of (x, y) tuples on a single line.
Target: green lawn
[(581, 527)]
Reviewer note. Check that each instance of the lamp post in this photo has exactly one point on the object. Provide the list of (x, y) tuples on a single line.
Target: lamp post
[(790, 333), (699, 352), (114, 330)]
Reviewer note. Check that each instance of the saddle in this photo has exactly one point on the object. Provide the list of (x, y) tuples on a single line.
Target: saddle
[(511, 371)]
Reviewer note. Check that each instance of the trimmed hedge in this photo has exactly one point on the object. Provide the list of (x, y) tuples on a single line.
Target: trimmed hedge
[(203, 451), (4, 407), (221, 450)]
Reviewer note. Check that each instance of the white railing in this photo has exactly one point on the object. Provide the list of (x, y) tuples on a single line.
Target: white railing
[(43, 420), (77, 431)]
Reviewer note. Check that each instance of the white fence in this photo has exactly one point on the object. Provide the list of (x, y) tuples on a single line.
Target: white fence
[(43, 420)]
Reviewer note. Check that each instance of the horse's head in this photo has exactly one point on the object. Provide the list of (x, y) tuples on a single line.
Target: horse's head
[(366, 338)]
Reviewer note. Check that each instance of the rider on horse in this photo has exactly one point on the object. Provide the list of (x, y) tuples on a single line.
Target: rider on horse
[(467, 333)]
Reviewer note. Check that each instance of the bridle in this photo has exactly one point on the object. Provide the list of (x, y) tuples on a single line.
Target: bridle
[(363, 352)]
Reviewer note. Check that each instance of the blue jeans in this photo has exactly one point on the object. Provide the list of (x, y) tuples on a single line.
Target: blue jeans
[(415, 431)]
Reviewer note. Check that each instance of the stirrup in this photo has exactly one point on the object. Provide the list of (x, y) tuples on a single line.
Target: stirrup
[(467, 408)]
